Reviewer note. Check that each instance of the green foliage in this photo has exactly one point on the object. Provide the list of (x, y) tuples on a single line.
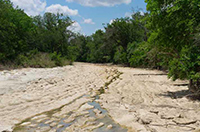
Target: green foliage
[(52, 34), (138, 54), (120, 33), (15, 31), (173, 26), (57, 58), (95, 47), (23, 37), (187, 66), (111, 45), (120, 56), (40, 60)]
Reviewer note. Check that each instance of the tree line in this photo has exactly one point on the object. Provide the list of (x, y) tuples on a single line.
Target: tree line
[(166, 37)]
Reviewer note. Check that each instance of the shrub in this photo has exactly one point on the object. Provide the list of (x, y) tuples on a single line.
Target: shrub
[(57, 59)]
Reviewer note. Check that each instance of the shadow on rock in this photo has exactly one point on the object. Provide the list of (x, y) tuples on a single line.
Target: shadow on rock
[(176, 94), (182, 93)]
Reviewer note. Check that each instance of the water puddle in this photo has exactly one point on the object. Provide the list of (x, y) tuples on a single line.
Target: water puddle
[(107, 120), (49, 123)]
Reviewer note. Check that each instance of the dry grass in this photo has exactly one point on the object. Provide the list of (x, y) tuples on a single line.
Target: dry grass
[(39, 60)]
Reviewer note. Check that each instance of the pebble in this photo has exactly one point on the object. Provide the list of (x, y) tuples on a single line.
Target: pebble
[(82, 113), (100, 116), (52, 130), (41, 120), (39, 117), (96, 111), (43, 129), (184, 121), (86, 107), (70, 119), (53, 124), (25, 123), (49, 121), (109, 126), (60, 126), (33, 125), (100, 124)]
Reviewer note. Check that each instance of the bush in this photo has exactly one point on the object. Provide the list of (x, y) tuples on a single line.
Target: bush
[(137, 54), (37, 60), (57, 59), (21, 60), (120, 56), (41, 60)]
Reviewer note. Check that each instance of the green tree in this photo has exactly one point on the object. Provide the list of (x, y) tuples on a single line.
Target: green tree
[(173, 25), (95, 47), (16, 30), (121, 32), (52, 33)]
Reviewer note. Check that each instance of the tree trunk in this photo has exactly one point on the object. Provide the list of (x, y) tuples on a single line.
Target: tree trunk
[(191, 86), (198, 85), (194, 86)]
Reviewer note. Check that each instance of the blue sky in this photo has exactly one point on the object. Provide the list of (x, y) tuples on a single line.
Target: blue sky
[(88, 14)]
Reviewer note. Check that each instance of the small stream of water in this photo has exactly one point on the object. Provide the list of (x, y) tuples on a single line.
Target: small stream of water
[(106, 120)]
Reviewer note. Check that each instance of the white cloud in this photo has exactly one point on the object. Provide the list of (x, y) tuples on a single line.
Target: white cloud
[(111, 21), (128, 14), (142, 13), (31, 7), (75, 27), (57, 8), (94, 3), (88, 21)]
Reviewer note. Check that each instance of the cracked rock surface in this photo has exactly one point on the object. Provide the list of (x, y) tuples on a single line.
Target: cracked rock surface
[(66, 99)]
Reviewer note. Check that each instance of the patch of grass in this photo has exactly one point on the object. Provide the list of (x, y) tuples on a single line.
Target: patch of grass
[(101, 90), (39, 60), (36, 59), (106, 85)]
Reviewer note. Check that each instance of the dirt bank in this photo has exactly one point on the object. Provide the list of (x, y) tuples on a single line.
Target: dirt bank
[(142, 100)]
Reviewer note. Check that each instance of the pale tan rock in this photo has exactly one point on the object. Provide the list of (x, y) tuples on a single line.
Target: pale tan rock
[(142, 98), (39, 117), (35, 91), (86, 107), (49, 121), (44, 129), (82, 113), (28, 92), (52, 130), (90, 123), (91, 119), (100, 125), (25, 123), (100, 116), (109, 126), (96, 111), (33, 125), (70, 119), (60, 126), (41, 120), (53, 124), (96, 126), (197, 130), (184, 121), (58, 114)]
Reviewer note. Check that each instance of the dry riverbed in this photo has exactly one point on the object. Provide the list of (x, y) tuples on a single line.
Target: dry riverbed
[(89, 97)]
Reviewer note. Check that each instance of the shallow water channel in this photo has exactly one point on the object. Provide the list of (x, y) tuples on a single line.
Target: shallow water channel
[(59, 124)]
